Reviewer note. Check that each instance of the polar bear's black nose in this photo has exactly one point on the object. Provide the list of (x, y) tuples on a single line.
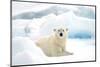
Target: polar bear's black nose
[(61, 34)]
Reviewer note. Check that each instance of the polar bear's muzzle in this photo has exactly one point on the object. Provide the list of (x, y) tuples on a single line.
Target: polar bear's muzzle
[(61, 34)]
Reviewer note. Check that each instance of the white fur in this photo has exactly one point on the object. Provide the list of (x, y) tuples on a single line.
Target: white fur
[(54, 45)]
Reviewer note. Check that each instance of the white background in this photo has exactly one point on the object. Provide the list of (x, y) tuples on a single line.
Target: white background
[(5, 33)]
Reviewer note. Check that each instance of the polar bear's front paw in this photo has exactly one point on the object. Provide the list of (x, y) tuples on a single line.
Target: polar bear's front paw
[(67, 53)]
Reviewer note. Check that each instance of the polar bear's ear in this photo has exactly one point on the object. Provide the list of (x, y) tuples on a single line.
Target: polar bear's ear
[(66, 29), (54, 29)]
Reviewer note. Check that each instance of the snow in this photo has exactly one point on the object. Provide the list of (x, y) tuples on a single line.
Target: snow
[(25, 52), (81, 35), (29, 6)]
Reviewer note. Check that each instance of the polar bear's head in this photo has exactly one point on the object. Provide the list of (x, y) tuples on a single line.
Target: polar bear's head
[(61, 32)]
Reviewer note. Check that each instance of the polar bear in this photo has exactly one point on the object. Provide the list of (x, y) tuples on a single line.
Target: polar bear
[(55, 44)]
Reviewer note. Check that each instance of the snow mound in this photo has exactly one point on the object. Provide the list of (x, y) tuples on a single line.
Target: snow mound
[(25, 51)]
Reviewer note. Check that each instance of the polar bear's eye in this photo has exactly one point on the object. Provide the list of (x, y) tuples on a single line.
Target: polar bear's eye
[(58, 30), (63, 30)]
